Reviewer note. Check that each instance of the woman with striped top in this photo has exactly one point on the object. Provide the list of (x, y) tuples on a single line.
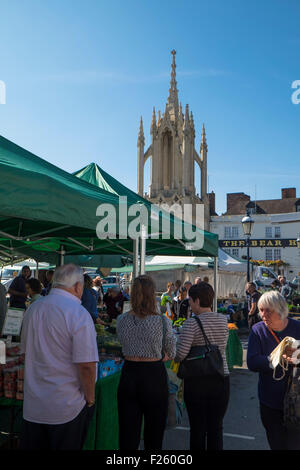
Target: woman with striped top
[(143, 390), (206, 398)]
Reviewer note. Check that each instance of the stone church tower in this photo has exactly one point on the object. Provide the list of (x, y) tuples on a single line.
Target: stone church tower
[(173, 156)]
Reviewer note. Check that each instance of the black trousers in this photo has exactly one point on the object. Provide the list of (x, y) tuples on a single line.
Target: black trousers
[(279, 437), (142, 393), (252, 319), (68, 436), (206, 401)]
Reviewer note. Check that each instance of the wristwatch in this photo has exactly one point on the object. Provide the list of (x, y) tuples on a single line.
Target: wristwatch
[(90, 404)]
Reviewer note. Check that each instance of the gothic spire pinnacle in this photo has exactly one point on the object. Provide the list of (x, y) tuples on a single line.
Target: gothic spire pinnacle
[(173, 92), (192, 120), (141, 137), (153, 124), (186, 117), (159, 118), (166, 111), (203, 145)]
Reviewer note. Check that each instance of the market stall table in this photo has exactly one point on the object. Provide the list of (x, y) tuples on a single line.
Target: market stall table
[(103, 430)]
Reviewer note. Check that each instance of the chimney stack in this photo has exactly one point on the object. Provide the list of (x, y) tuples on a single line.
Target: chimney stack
[(212, 203), (236, 203), (288, 193)]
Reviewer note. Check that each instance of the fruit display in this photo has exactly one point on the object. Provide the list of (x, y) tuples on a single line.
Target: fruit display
[(12, 374), (178, 323), (109, 344), (100, 329)]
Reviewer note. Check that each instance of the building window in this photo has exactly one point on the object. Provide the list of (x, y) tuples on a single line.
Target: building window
[(269, 254), (231, 232), (277, 232), (227, 250), (277, 254), (235, 232), (268, 232), (235, 252), (227, 232)]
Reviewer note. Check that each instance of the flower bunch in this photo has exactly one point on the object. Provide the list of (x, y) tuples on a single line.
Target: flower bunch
[(261, 262), (232, 326)]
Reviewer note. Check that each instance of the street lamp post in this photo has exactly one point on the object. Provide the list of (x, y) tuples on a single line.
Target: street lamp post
[(247, 224), (298, 244)]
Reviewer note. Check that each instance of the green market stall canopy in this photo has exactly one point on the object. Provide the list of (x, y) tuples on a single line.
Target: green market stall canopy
[(44, 208), (95, 175)]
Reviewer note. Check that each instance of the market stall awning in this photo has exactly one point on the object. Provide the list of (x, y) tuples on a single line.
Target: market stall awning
[(95, 175), (158, 263), (44, 208)]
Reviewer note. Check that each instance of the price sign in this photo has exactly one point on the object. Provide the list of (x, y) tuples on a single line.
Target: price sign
[(13, 322)]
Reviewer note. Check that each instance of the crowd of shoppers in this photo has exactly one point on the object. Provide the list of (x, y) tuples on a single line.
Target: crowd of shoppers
[(147, 341), (59, 344)]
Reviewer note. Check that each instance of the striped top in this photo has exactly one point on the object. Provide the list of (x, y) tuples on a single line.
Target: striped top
[(216, 329)]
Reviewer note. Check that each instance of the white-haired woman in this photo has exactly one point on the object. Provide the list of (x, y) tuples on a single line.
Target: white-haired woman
[(275, 323)]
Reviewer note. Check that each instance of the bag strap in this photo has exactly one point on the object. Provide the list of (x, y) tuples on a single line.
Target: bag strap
[(272, 333), (207, 342)]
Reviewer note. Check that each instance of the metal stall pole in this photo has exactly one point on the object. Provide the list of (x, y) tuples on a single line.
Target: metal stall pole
[(135, 271), (37, 270), (143, 249), (62, 255), (215, 306)]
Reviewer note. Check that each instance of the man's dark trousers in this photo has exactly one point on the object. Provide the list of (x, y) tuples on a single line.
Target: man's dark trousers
[(68, 436)]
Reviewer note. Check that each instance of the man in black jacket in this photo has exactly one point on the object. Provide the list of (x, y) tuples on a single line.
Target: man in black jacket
[(254, 296)]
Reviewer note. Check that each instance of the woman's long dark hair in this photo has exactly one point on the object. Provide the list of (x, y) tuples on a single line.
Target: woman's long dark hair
[(142, 297)]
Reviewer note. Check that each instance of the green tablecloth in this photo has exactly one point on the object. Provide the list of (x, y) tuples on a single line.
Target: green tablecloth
[(104, 429), (234, 350), (10, 402)]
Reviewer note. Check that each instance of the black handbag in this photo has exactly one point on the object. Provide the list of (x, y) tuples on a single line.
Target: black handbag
[(291, 404), (202, 361)]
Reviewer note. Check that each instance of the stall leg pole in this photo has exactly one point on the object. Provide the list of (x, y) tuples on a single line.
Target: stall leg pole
[(215, 306), (62, 255), (143, 250), (37, 270), (135, 271)]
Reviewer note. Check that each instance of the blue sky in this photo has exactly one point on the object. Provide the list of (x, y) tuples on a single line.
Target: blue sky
[(79, 74)]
